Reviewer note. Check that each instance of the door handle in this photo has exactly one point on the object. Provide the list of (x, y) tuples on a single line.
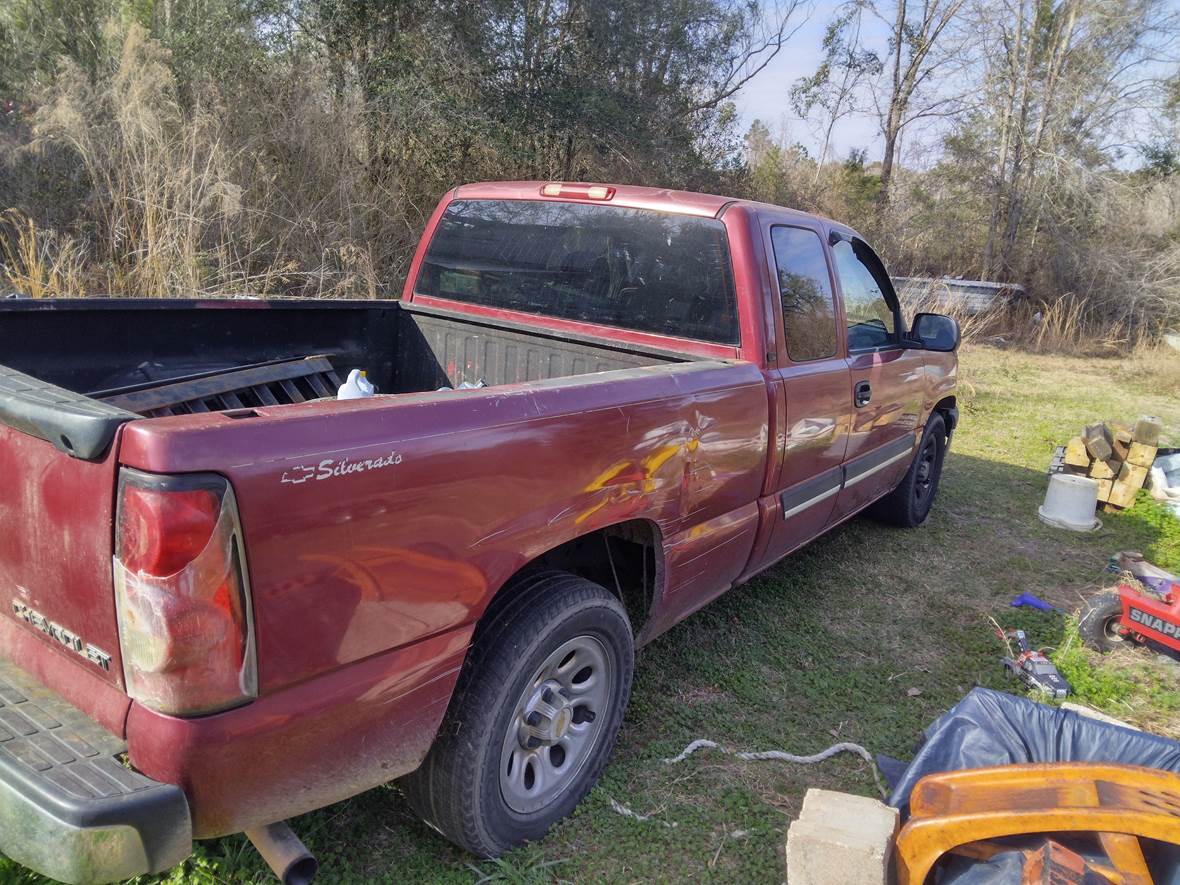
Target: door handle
[(861, 394)]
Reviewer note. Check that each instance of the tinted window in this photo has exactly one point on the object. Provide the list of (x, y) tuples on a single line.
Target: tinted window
[(809, 312), (867, 313), (631, 268)]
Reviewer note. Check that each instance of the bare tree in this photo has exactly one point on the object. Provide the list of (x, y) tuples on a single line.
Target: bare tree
[(1064, 79), (835, 87), (915, 32)]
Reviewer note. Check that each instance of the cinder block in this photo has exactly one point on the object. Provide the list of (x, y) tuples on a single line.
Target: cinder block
[(840, 838), (1147, 430), (1090, 712), (823, 806), (1121, 444), (1098, 441)]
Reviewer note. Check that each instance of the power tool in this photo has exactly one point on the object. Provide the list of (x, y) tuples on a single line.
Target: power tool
[(1031, 667)]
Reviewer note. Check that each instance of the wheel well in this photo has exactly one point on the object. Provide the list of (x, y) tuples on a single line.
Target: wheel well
[(624, 558), (948, 407)]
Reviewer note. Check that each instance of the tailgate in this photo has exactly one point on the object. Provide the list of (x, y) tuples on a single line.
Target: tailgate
[(56, 519)]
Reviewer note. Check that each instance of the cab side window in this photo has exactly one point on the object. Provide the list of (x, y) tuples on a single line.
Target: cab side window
[(868, 314), (809, 309)]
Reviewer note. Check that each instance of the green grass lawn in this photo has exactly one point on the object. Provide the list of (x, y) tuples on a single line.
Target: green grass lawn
[(867, 635)]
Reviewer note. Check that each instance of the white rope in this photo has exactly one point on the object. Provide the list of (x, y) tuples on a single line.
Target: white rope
[(763, 756), (780, 756), (642, 818)]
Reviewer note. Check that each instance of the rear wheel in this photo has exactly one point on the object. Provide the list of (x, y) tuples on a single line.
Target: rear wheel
[(534, 717), (1100, 625), (909, 504)]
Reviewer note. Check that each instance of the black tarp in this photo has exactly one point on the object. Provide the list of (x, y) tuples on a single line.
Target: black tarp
[(993, 728)]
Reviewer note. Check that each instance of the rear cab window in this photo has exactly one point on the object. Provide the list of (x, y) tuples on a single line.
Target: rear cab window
[(636, 269), (870, 307), (805, 289)]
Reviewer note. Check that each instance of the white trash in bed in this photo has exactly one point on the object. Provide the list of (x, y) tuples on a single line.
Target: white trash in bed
[(1070, 502), (358, 386)]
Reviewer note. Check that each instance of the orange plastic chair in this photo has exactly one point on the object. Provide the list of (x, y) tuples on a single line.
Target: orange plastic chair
[(1120, 803)]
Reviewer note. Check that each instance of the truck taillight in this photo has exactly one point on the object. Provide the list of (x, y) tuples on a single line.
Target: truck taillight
[(182, 595)]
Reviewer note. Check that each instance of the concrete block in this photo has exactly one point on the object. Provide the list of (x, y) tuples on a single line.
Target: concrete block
[(1147, 430), (824, 806), (1083, 710), (840, 838), (1098, 441), (1121, 444)]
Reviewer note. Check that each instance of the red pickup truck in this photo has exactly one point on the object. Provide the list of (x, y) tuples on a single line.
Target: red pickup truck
[(233, 598)]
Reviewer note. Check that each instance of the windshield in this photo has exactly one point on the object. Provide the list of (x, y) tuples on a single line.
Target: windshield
[(631, 268)]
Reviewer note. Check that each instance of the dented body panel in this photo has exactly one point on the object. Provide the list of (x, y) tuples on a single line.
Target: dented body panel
[(471, 486), (377, 531)]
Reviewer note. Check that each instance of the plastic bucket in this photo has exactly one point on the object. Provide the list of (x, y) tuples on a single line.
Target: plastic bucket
[(1070, 502)]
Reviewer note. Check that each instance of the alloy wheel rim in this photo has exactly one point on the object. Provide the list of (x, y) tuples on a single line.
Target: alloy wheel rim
[(556, 724)]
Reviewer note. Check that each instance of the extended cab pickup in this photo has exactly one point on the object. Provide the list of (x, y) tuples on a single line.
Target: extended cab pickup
[(230, 598)]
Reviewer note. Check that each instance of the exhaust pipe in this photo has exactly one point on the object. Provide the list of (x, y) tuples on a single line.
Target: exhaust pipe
[(284, 853)]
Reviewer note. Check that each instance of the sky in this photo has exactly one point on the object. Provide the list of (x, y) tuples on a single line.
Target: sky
[(767, 96)]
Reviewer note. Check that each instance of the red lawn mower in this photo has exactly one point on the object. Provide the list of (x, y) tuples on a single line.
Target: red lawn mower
[(1150, 611)]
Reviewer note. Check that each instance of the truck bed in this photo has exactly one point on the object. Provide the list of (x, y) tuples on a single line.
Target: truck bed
[(73, 371)]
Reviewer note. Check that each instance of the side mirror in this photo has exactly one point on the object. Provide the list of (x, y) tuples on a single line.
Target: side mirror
[(936, 332)]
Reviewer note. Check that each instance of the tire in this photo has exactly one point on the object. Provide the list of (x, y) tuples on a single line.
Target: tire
[(517, 751), (1098, 625), (909, 504)]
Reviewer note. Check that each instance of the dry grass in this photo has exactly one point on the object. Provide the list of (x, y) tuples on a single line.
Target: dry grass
[(1068, 325), (40, 264), (1153, 367), (192, 199)]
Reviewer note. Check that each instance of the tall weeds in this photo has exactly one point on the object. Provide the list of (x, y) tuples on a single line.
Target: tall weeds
[(39, 264), (207, 200), (1067, 325), (282, 176)]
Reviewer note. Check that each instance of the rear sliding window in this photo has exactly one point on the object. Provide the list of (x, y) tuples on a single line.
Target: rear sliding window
[(631, 268)]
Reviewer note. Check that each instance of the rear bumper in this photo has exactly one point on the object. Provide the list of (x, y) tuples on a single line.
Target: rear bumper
[(68, 808)]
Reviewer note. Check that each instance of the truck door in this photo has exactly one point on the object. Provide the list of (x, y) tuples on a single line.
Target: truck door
[(813, 373), (886, 378)]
